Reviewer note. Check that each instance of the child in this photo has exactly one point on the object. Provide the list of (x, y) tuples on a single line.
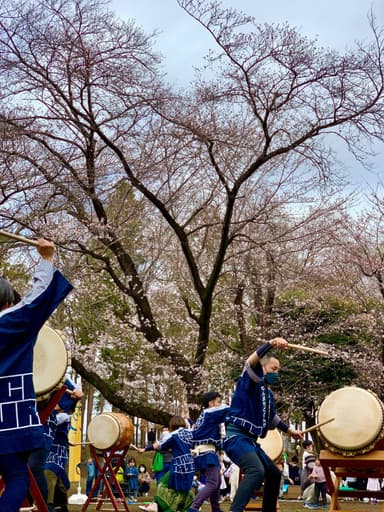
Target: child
[(144, 480), (132, 475), (318, 477)]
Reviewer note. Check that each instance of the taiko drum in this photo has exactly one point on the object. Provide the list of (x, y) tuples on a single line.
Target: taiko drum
[(110, 430), (272, 444), (50, 362), (358, 423)]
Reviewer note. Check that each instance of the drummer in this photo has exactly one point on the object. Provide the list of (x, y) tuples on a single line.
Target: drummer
[(206, 439), (251, 414), (20, 427)]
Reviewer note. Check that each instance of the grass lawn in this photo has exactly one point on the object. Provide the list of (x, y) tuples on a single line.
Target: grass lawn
[(290, 505), (285, 506)]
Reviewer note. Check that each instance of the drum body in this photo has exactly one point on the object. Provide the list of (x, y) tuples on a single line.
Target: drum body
[(50, 362), (110, 430), (272, 444), (358, 421)]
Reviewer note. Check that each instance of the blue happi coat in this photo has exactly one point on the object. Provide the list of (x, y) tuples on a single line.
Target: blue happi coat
[(252, 409), (207, 431), (67, 404), (20, 428), (182, 466), (57, 459)]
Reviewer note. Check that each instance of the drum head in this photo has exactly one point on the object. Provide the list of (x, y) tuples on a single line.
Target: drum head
[(50, 360), (358, 419), (104, 431), (272, 444)]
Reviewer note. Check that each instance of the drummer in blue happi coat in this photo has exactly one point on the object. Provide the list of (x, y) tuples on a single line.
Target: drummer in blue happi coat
[(174, 491), (20, 427), (207, 440), (252, 413)]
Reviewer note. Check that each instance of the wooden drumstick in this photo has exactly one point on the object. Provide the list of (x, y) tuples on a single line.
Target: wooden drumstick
[(308, 349), (20, 238), (318, 425)]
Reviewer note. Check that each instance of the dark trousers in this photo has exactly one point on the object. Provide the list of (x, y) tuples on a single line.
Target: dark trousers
[(211, 490), (321, 489), (255, 471), (36, 463), (14, 471)]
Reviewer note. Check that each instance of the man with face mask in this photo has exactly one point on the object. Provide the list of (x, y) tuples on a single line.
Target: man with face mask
[(251, 414)]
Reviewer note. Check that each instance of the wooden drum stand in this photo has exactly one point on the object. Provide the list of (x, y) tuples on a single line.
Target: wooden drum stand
[(369, 465), (107, 475)]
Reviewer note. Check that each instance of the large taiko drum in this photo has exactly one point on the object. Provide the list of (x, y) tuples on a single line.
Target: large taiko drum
[(272, 444), (110, 430), (358, 421), (50, 362)]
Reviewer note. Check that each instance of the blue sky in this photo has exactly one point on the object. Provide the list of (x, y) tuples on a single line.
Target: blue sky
[(336, 23), (183, 42)]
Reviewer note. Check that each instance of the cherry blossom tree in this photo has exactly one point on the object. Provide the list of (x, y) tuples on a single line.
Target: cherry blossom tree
[(156, 195)]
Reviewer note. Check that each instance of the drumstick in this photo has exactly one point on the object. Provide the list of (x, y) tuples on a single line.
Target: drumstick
[(19, 238), (308, 349), (318, 425)]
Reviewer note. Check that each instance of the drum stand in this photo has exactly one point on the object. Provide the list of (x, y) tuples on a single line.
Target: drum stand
[(107, 475), (34, 491), (369, 465)]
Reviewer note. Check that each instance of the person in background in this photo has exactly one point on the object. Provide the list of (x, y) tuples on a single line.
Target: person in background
[(294, 471), (306, 470), (151, 436), (309, 464), (373, 484), (121, 477), (91, 475), (144, 480), (318, 477), (251, 414), (132, 477), (224, 484), (234, 475), (21, 431)]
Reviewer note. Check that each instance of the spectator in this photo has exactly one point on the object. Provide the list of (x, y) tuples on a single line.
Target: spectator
[(305, 470), (318, 477), (151, 436), (144, 480), (91, 474), (132, 477)]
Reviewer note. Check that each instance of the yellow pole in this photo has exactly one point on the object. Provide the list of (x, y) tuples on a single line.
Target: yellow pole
[(74, 438)]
